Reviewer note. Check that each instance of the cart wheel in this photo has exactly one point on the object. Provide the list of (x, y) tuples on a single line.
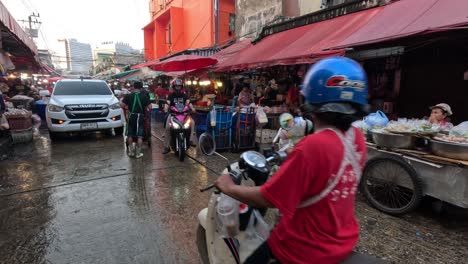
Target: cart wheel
[(391, 185)]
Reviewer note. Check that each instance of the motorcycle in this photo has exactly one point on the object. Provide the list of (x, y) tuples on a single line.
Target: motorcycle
[(180, 125), (230, 236)]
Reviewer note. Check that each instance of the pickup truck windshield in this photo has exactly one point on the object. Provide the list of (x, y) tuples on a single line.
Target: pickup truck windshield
[(82, 88)]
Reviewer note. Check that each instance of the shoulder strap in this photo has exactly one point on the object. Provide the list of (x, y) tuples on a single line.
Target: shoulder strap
[(136, 100), (349, 158)]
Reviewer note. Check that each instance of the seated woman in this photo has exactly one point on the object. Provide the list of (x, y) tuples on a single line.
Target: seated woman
[(439, 115), (245, 97)]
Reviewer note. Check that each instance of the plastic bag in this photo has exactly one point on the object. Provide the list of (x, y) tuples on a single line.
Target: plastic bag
[(213, 118), (460, 131), (361, 125), (261, 116), (376, 120), (257, 227)]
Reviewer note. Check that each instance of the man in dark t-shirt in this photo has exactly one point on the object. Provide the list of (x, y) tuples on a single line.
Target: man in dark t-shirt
[(137, 104)]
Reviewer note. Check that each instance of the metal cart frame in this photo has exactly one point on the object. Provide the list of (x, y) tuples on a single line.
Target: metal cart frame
[(446, 181), (245, 129)]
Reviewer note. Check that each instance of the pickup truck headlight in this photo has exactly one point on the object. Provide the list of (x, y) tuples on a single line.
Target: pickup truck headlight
[(55, 108), (115, 106)]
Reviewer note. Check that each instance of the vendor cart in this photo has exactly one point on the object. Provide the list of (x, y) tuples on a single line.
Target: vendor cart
[(221, 128), (245, 128), (395, 180)]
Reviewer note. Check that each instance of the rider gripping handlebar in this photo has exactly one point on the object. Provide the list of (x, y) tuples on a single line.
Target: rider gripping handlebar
[(177, 99)]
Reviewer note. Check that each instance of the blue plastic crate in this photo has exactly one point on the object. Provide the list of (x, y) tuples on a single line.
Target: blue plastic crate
[(222, 131)]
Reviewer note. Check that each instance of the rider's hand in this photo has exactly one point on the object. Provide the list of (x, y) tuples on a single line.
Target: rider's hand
[(224, 183), (289, 150)]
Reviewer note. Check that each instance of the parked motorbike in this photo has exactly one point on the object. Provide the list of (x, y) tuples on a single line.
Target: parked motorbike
[(180, 126), (227, 234)]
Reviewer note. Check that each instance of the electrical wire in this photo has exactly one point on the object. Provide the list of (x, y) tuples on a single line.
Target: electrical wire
[(196, 37)]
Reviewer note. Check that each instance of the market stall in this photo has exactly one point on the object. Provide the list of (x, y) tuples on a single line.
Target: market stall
[(409, 159)]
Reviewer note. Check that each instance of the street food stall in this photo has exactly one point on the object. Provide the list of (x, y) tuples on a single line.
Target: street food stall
[(410, 159)]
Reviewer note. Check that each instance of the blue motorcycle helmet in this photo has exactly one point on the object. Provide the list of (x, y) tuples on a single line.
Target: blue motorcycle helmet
[(335, 84)]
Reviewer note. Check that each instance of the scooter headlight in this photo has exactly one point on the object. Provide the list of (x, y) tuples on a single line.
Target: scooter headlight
[(187, 124), (175, 125)]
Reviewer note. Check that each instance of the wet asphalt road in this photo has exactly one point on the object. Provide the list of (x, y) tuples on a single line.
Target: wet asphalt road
[(82, 200)]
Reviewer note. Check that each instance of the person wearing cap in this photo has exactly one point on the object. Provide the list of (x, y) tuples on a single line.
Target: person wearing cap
[(439, 115)]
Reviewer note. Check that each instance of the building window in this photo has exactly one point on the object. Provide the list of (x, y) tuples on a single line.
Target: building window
[(169, 34), (232, 22)]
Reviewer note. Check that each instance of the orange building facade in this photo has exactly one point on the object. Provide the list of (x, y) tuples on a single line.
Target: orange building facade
[(178, 25)]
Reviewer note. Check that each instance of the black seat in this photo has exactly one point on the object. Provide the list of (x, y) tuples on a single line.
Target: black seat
[(358, 258)]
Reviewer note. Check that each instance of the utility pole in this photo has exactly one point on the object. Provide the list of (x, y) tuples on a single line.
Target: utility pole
[(33, 32)]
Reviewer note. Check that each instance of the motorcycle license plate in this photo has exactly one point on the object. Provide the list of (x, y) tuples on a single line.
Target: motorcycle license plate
[(89, 126)]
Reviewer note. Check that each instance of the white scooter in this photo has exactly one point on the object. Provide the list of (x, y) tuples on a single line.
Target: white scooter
[(219, 242)]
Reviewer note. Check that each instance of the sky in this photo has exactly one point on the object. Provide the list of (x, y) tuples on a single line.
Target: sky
[(90, 21)]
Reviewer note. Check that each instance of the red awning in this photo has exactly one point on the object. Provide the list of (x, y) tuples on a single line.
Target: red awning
[(299, 45), (310, 43), (232, 51), (183, 63), (144, 64), (10, 23), (410, 17)]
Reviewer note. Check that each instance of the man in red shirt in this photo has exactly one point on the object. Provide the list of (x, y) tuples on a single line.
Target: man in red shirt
[(316, 186)]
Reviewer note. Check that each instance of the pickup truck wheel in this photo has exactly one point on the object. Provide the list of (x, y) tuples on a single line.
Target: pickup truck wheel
[(119, 131), (54, 136)]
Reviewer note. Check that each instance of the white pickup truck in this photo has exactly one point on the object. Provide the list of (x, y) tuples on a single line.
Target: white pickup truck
[(83, 105)]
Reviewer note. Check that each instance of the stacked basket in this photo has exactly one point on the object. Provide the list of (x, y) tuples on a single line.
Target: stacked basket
[(20, 124)]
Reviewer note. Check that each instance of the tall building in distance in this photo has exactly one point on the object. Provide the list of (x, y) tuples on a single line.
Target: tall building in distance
[(179, 25), (121, 53), (77, 56), (110, 54)]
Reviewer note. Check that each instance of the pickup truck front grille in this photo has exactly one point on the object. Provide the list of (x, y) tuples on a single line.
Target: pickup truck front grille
[(84, 111)]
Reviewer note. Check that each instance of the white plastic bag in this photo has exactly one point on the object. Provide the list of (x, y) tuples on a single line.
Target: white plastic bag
[(257, 227), (460, 131), (213, 117), (261, 116)]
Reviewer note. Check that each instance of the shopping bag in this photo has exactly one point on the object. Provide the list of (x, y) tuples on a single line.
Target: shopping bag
[(257, 227), (261, 116), (376, 120)]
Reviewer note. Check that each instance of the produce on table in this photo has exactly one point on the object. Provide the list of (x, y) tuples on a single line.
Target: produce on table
[(452, 139), (416, 126)]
